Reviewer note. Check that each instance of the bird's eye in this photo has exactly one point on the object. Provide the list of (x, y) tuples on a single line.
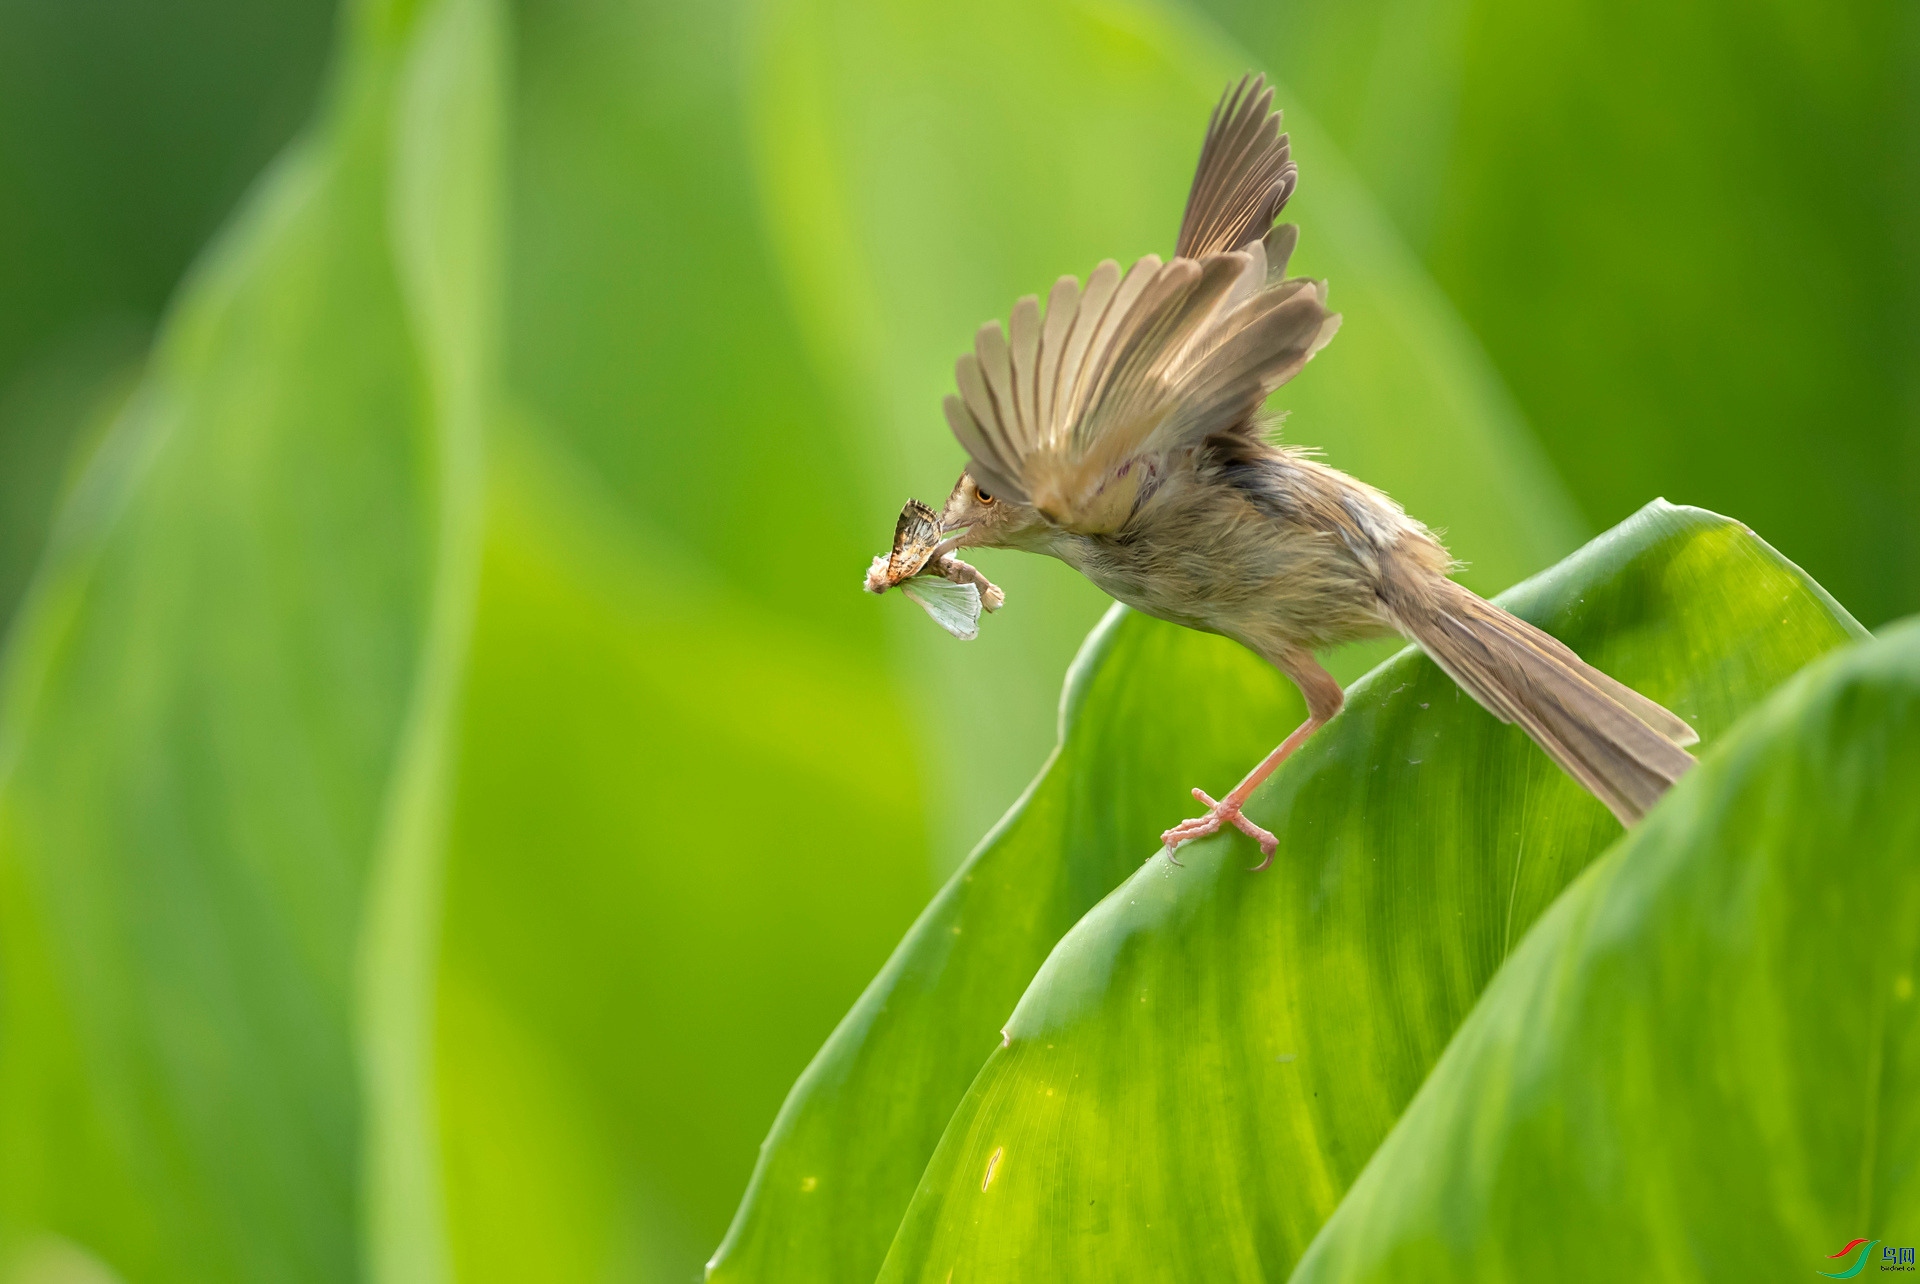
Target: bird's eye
[(982, 495)]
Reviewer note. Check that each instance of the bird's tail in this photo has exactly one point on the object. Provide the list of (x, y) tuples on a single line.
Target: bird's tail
[(1624, 748)]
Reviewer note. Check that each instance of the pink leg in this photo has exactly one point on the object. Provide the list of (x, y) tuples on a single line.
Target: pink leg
[(1323, 701)]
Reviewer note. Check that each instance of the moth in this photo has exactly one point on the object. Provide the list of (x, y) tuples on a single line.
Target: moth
[(948, 589)]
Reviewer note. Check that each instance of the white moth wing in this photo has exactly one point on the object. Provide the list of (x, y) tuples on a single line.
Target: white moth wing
[(954, 607)]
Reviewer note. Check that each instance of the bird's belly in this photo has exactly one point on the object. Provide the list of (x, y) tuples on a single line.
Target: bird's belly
[(1161, 605), (1268, 596)]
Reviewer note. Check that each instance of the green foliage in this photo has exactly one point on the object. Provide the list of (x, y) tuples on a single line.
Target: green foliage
[(1680, 231), (629, 938), (128, 131), (408, 778), (1145, 704), (449, 783), (188, 824), (1702, 1061), (466, 597), (1204, 1062)]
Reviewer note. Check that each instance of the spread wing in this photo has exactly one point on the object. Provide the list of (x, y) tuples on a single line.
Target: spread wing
[(1075, 413), (1244, 177)]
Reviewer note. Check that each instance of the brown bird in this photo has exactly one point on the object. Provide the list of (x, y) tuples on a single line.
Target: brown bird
[(1121, 431)]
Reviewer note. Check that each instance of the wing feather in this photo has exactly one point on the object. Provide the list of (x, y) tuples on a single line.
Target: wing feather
[(1234, 378), (1131, 287), (1279, 245), (1135, 394), (973, 388), (1245, 176), (1024, 349), (1161, 287), (996, 369), (1101, 284), (979, 401), (1220, 151), (987, 462), (1252, 277), (1062, 303), (1057, 409), (1158, 350)]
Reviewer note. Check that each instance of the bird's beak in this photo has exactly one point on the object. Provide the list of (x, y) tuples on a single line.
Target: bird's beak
[(952, 530)]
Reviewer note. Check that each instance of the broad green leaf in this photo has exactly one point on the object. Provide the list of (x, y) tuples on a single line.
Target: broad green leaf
[(1204, 1064), (925, 165), (1702, 1063), (1149, 711), (204, 706), (829, 1183)]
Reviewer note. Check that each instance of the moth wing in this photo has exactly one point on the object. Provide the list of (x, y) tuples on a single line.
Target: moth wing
[(917, 524), (915, 536), (954, 607)]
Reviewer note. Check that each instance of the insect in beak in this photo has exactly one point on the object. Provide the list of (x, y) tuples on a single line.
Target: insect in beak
[(922, 567)]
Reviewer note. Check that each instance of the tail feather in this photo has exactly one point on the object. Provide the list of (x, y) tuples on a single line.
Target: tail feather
[(1624, 748)]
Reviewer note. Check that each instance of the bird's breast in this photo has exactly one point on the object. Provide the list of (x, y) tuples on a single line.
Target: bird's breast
[(1261, 582)]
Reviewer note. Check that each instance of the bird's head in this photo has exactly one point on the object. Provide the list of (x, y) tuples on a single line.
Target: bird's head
[(976, 517)]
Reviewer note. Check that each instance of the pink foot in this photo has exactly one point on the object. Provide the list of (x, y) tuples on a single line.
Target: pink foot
[(1218, 814)]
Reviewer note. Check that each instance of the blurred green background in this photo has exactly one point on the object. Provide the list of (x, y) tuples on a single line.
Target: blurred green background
[(449, 780)]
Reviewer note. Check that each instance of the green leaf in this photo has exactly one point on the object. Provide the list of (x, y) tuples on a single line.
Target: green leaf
[(51, 415), (1149, 710), (1204, 1064), (1702, 1063), (204, 708)]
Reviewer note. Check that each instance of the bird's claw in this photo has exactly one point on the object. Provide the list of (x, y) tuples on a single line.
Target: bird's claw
[(1218, 814)]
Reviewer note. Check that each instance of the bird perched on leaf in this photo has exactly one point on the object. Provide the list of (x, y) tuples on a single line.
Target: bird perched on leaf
[(1120, 430)]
